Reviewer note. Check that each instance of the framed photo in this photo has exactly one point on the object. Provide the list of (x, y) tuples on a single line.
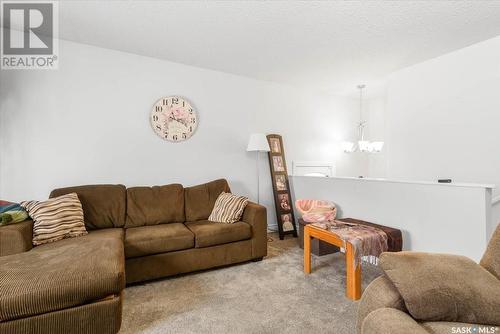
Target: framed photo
[(284, 201), (278, 164), (274, 143), (286, 222), (281, 182)]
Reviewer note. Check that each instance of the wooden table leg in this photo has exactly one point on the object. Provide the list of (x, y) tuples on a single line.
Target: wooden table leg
[(307, 251), (353, 282)]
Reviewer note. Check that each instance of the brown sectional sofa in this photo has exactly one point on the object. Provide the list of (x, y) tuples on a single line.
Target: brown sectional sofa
[(136, 234)]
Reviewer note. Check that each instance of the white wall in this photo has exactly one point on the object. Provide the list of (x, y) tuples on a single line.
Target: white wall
[(376, 131), (495, 213), (313, 129), (443, 117), (88, 122)]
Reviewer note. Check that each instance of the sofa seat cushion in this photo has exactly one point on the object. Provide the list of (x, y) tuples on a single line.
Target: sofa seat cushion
[(147, 240), (62, 274), (208, 233)]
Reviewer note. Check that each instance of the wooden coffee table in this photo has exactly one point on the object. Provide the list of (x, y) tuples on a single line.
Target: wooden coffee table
[(353, 273)]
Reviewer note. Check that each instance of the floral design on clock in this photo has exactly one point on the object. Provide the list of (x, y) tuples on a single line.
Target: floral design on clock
[(173, 118)]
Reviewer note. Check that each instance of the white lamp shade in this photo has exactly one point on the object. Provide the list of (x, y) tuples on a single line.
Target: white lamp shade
[(258, 142), (377, 146), (348, 146), (364, 146)]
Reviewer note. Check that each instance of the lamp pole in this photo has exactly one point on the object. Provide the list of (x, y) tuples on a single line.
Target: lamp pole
[(258, 177)]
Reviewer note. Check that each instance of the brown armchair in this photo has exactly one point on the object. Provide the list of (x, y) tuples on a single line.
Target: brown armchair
[(426, 293)]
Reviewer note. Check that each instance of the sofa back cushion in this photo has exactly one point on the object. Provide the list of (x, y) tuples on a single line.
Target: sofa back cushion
[(200, 200), (103, 205), (155, 205)]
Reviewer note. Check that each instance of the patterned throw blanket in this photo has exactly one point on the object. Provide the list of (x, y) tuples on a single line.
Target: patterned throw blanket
[(367, 242), (11, 213)]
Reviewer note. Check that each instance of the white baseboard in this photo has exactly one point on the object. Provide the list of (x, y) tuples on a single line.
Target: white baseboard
[(272, 228)]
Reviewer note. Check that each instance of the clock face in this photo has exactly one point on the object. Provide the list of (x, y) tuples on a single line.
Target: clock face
[(173, 118)]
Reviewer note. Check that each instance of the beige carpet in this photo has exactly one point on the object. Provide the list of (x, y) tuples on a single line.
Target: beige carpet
[(270, 296)]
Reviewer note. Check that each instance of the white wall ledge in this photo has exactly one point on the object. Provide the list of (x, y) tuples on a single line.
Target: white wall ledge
[(455, 218), (369, 179)]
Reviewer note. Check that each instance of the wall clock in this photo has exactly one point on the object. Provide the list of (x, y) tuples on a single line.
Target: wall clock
[(173, 118)]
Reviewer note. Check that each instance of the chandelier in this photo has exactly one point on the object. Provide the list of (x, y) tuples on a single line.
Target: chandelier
[(362, 144)]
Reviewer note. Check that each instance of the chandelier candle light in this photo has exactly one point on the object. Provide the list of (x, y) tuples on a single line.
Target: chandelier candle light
[(363, 145)]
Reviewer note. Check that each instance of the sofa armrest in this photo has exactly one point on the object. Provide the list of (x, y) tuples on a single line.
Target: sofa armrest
[(390, 321), (16, 238), (256, 216), (381, 293)]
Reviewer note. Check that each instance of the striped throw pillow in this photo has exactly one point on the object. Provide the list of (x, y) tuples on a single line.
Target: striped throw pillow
[(56, 218), (228, 208)]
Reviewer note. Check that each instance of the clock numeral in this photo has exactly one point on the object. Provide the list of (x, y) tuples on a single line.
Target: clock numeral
[(193, 120), (158, 108), (165, 102), (158, 127), (183, 103), (155, 118), (174, 137), (190, 129), (175, 100), (190, 111), (184, 135)]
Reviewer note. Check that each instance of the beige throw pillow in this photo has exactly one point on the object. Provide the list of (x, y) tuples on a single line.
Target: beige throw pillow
[(56, 218), (228, 208), (442, 287)]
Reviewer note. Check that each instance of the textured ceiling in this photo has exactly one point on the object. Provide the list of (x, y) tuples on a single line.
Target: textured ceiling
[(317, 45)]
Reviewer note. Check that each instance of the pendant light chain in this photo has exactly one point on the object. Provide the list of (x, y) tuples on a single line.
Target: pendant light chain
[(361, 134)]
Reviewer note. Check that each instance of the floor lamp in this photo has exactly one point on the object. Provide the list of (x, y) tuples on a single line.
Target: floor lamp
[(258, 143)]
